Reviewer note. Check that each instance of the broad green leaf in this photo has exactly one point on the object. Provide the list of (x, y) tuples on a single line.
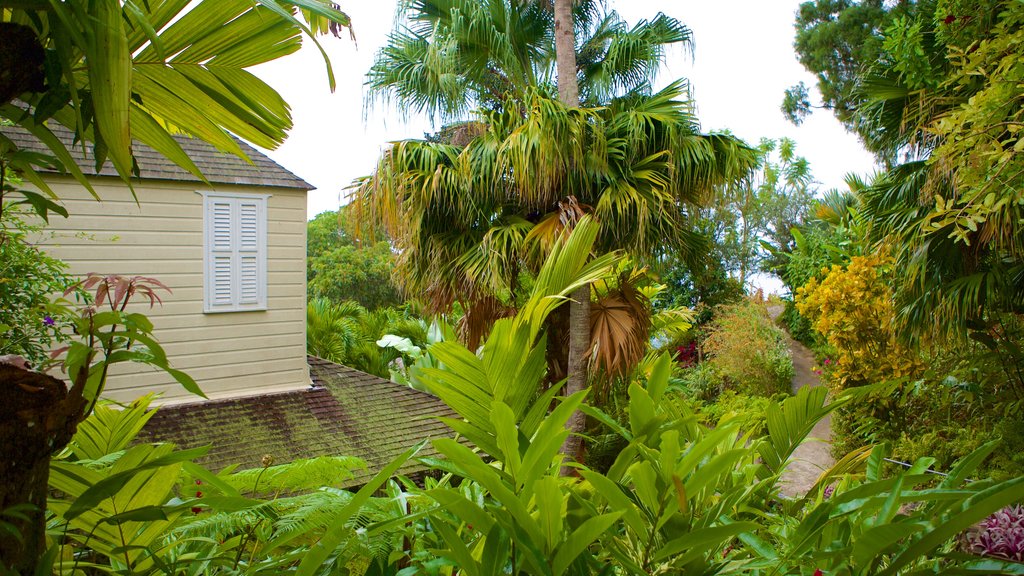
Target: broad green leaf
[(699, 542), (465, 510), (144, 514), (545, 444), (657, 383), (457, 550), (110, 81), (111, 485), (617, 500), (869, 544), (507, 436), (580, 539), (968, 464), (551, 508)]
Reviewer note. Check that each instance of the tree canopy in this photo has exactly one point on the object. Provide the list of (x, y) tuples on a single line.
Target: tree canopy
[(937, 95), (339, 266)]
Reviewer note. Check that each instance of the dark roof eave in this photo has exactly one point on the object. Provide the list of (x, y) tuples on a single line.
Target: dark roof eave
[(304, 187), (218, 167)]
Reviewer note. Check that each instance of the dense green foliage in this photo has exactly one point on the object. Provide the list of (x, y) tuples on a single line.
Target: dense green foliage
[(349, 334), (887, 280), (340, 266), (679, 497), (952, 211), (938, 90), (30, 324), (748, 350), (912, 281)]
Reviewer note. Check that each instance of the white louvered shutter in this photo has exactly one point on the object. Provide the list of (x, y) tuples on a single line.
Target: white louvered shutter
[(248, 253), (235, 252), (221, 255)]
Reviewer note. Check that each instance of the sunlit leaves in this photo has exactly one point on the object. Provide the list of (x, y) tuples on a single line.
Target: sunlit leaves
[(147, 70)]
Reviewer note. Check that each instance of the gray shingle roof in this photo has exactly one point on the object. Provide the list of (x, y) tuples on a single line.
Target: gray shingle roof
[(218, 167), (345, 413)]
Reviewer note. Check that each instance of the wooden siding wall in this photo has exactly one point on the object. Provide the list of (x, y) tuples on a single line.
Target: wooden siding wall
[(228, 354)]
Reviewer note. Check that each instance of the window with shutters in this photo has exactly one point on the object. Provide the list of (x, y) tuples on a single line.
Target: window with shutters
[(234, 252)]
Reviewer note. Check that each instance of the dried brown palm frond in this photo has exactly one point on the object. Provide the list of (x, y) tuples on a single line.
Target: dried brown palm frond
[(620, 327), (480, 316)]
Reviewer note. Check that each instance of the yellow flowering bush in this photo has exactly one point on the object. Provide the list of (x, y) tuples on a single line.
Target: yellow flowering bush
[(852, 308)]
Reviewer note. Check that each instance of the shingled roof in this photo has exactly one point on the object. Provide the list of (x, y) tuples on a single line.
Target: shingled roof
[(218, 167), (345, 413)]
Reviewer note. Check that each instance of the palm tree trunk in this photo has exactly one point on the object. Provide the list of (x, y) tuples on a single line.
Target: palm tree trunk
[(579, 342), (579, 311), (565, 54)]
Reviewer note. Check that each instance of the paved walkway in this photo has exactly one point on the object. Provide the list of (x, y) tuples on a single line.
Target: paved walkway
[(813, 456)]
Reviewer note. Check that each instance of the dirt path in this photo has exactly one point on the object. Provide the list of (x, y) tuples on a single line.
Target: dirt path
[(814, 455)]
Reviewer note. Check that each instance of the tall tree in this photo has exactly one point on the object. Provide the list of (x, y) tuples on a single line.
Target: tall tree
[(579, 308), (837, 41), (448, 57), (461, 210), (341, 266), (940, 103)]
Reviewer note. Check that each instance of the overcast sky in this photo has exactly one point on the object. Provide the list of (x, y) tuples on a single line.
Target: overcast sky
[(743, 62)]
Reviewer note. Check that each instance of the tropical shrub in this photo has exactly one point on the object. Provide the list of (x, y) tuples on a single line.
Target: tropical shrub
[(680, 497), (1001, 535), (750, 412), (117, 505), (746, 348), (943, 401), (30, 322), (349, 334), (701, 383), (852, 308), (40, 413)]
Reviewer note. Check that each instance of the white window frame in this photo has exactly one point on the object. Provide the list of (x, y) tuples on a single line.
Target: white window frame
[(235, 200)]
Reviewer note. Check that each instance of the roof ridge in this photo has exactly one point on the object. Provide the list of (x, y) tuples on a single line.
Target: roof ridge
[(217, 166)]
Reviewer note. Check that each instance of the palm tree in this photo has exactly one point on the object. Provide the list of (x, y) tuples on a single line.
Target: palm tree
[(527, 167), (449, 57), (467, 220), (579, 308), (123, 71)]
